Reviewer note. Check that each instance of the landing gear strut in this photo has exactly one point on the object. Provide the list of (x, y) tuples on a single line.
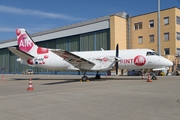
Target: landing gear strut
[(97, 76), (84, 78)]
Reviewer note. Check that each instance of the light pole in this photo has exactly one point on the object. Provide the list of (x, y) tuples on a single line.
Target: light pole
[(158, 27)]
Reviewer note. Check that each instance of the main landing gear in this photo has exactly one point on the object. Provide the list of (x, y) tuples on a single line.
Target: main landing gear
[(97, 76), (85, 78), (153, 76)]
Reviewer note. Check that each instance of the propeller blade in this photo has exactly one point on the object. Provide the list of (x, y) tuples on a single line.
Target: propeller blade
[(116, 68), (117, 55), (117, 50)]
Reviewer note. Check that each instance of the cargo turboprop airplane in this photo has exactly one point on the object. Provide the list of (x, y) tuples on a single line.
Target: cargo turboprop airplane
[(58, 59)]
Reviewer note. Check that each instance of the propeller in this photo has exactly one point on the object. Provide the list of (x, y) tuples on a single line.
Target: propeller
[(117, 55)]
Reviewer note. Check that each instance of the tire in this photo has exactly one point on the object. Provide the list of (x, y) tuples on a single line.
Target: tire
[(84, 78), (153, 77)]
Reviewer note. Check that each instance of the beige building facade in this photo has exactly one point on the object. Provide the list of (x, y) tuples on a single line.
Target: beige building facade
[(142, 31)]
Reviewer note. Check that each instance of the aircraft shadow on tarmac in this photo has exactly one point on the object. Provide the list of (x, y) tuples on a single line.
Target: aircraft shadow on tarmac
[(63, 81), (90, 79)]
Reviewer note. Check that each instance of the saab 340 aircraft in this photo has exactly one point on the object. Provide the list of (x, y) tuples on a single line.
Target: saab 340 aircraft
[(58, 59)]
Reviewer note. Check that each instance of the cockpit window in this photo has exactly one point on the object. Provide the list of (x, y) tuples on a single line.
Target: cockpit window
[(152, 54), (155, 53), (149, 54)]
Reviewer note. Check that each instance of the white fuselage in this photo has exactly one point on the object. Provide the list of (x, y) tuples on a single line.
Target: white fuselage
[(130, 59)]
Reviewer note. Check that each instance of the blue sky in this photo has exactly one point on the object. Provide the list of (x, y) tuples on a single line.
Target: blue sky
[(41, 15)]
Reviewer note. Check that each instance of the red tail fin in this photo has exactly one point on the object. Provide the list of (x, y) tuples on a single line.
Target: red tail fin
[(24, 41), (26, 44)]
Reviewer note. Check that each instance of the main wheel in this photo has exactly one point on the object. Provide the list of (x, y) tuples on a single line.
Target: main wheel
[(84, 78)]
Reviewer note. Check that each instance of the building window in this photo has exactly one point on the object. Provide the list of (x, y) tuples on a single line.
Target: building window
[(166, 51), (151, 23), (177, 35), (166, 21), (138, 26), (178, 20), (177, 51), (166, 36), (140, 39), (151, 38)]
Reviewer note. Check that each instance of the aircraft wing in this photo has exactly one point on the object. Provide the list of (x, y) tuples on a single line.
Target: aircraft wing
[(20, 53), (73, 59)]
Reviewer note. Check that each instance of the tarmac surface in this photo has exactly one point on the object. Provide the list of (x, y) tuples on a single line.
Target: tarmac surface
[(64, 97)]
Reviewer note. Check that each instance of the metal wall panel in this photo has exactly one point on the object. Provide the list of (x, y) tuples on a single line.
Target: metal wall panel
[(87, 42), (74, 31), (74, 43), (12, 63), (62, 43), (103, 40), (1, 61), (6, 60)]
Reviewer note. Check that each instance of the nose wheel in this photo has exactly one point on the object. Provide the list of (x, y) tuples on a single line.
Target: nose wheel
[(154, 78)]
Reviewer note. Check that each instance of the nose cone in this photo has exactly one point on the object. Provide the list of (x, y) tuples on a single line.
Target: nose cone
[(169, 63)]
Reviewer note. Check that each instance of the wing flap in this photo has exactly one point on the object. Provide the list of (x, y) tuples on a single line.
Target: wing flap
[(73, 59), (20, 53)]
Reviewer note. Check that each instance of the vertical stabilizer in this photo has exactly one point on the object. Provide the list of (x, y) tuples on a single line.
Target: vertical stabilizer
[(25, 43)]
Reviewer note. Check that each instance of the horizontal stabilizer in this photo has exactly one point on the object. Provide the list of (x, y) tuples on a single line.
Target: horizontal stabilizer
[(20, 53)]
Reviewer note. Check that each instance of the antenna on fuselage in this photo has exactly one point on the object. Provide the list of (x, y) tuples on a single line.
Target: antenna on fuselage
[(102, 49)]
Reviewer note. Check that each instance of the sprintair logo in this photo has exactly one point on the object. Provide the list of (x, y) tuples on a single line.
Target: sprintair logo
[(139, 60)]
